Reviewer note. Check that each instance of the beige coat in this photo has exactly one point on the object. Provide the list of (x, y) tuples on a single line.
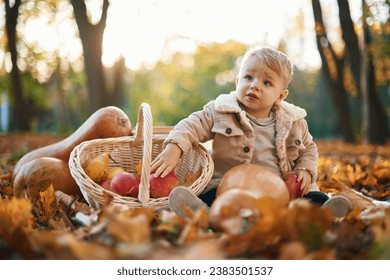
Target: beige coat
[(223, 121)]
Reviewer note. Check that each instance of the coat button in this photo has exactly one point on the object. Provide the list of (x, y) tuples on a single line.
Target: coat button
[(228, 130), (246, 149)]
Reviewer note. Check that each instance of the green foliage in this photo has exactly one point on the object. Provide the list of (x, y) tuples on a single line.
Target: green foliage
[(34, 91), (186, 83), (4, 84)]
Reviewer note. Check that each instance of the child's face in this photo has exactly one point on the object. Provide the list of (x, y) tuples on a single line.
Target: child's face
[(259, 88)]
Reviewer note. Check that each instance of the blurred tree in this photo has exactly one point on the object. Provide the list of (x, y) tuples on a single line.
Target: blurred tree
[(307, 90), (19, 102), (375, 123), (91, 36), (335, 70), (49, 79)]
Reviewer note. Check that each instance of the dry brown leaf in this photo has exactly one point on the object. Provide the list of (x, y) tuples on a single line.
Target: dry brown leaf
[(16, 224), (309, 224), (382, 173), (200, 219), (5, 176), (62, 222), (352, 239), (15, 214), (369, 180), (48, 202), (324, 254), (129, 224), (60, 245), (294, 250), (202, 250), (302, 231), (381, 229), (169, 225), (134, 229), (189, 234), (261, 234)]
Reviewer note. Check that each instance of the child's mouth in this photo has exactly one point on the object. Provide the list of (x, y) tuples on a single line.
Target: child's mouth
[(252, 96)]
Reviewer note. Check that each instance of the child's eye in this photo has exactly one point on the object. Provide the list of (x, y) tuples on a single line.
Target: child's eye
[(248, 77), (267, 83)]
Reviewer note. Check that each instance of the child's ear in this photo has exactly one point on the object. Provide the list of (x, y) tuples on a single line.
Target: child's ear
[(237, 78), (282, 96)]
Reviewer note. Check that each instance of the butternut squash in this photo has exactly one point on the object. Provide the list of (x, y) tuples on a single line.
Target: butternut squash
[(106, 122), (37, 174)]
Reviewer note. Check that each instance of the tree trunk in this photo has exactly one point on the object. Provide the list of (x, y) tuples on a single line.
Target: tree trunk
[(378, 127), (92, 37), (117, 94), (333, 70), (363, 78), (374, 120), (351, 41), (19, 103)]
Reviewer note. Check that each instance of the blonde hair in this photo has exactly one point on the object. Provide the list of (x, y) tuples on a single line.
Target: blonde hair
[(274, 59)]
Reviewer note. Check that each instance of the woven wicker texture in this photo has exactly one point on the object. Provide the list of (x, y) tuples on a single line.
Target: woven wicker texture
[(127, 152)]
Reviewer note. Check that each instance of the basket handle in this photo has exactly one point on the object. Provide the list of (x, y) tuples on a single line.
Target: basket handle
[(144, 132)]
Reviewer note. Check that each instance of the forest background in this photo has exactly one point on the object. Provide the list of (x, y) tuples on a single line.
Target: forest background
[(61, 60), (52, 82)]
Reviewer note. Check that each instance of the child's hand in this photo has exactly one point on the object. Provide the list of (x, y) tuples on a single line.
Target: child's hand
[(166, 161), (305, 178)]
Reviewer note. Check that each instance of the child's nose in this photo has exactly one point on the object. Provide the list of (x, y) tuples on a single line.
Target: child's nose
[(254, 85)]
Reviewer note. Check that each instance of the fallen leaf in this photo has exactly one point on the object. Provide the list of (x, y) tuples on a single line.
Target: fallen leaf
[(15, 215)]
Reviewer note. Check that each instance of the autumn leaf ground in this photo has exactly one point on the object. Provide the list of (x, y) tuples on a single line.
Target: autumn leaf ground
[(57, 226)]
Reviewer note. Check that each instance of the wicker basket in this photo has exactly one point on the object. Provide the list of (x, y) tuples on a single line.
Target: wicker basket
[(126, 152)]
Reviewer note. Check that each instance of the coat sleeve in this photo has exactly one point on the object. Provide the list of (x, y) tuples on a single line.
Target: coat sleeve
[(193, 129), (308, 158)]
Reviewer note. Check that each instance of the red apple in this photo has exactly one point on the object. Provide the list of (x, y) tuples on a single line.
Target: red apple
[(106, 184), (161, 187), (293, 185), (125, 183)]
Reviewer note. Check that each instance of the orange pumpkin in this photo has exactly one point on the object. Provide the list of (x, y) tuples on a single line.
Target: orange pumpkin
[(258, 180), (230, 208), (36, 175)]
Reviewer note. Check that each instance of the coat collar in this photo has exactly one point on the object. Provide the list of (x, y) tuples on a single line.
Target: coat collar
[(228, 103)]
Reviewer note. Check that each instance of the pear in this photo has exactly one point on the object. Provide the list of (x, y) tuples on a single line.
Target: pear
[(97, 167), (112, 171)]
